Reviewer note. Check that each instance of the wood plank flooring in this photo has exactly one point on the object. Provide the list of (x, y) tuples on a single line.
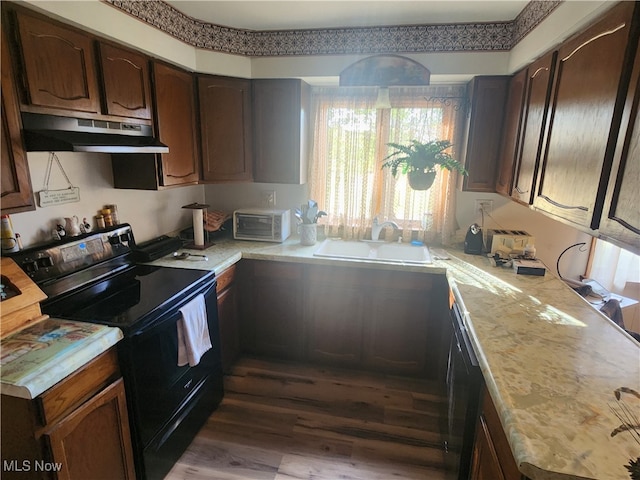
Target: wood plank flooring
[(284, 421)]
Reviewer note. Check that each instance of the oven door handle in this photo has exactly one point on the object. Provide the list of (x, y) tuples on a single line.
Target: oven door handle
[(149, 327)]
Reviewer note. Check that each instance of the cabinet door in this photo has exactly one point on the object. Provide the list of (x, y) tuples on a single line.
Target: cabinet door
[(485, 464), (538, 85), (492, 457), (511, 134), (16, 183), (228, 319), (396, 332), (225, 126), (280, 113), (276, 321), (335, 315), (127, 87), (176, 124), (94, 441), (59, 66), (487, 97), (621, 216), (584, 117)]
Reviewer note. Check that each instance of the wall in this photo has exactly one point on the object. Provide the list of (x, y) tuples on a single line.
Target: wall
[(551, 236), (151, 213)]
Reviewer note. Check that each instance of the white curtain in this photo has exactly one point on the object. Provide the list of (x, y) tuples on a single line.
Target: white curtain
[(350, 144)]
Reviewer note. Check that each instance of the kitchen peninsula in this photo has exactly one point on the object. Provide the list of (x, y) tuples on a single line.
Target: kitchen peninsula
[(551, 363)]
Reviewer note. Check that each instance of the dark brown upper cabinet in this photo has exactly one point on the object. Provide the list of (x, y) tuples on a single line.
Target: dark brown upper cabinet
[(125, 76), (584, 118), (511, 133), (621, 216), (536, 101), (280, 122), (176, 124), (59, 66), (14, 174), (483, 133), (225, 128), (65, 71)]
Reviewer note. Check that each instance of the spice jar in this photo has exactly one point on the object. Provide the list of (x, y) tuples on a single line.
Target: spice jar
[(114, 214), (108, 219), (100, 221)]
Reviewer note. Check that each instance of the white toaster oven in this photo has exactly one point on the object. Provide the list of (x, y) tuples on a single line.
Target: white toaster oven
[(265, 225)]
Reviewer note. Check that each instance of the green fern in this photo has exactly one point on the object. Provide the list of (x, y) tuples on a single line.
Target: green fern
[(424, 157)]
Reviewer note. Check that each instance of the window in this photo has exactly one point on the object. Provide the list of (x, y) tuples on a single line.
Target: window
[(350, 144)]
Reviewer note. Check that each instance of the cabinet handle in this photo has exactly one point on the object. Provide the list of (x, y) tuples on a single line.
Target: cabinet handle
[(626, 225), (603, 34), (520, 191), (180, 176), (566, 207)]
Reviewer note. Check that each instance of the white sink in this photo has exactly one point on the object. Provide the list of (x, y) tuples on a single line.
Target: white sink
[(381, 252)]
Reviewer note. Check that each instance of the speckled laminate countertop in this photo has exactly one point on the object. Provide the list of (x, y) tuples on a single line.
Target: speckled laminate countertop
[(551, 362)]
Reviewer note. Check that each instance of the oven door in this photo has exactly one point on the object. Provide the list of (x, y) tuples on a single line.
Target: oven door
[(160, 388), (253, 226)]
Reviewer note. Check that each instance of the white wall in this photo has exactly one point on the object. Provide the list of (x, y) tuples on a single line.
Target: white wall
[(151, 213), (551, 236)]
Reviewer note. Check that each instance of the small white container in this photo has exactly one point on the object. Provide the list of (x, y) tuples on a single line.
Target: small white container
[(308, 233), (529, 251)]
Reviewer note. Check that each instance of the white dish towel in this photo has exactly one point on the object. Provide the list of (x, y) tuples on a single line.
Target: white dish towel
[(193, 332)]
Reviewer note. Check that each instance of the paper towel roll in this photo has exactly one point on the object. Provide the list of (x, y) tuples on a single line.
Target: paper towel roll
[(198, 228)]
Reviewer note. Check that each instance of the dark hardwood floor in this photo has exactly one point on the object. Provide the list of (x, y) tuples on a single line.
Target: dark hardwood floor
[(282, 421)]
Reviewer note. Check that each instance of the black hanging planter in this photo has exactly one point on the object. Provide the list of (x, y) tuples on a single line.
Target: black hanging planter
[(419, 180)]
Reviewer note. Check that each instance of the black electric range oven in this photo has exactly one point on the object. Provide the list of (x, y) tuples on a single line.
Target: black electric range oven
[(92, 279)]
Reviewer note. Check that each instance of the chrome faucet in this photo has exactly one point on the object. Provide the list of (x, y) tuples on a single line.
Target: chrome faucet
[(376, 228)]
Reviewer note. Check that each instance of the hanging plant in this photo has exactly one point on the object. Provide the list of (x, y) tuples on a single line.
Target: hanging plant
[(419, 161)]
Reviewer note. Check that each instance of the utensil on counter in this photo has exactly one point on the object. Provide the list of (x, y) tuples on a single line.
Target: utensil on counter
[(185, 255)]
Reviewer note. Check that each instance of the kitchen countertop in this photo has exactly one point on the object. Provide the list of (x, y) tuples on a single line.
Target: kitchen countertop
[(38, 357), (551, 362)]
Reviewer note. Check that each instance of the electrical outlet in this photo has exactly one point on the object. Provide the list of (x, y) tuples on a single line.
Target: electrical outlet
[(485, 206), (269, 198)]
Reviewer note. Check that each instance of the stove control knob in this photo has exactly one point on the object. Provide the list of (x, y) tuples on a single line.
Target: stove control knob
[(45, 262), (30, 266), (114, 239)]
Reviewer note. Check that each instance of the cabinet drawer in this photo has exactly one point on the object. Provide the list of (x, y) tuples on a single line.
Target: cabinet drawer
[(69, 393), (225, 279)]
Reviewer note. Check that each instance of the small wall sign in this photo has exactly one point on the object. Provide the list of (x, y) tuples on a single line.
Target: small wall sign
[(47, 198)]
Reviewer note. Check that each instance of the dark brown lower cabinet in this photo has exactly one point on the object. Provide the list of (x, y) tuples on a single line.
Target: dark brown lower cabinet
[(335, 309), (375, 319), (228, 318), (271, 307), (77, 429), (492, 458), (397, 331)]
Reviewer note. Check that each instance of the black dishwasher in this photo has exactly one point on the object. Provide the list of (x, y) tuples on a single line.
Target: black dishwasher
[(464, 382)]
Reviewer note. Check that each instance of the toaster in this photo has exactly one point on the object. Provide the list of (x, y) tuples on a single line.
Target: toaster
[(508, 241)]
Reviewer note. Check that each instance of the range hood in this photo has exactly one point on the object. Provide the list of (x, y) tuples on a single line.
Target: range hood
[(50, 133)]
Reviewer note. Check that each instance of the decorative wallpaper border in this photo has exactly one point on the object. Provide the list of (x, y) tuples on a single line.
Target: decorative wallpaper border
[(464, 37)]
